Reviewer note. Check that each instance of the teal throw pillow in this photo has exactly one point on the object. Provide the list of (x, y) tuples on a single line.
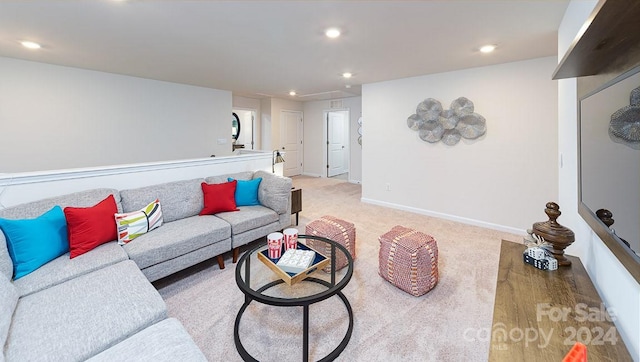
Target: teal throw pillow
[(247, 192), (35, 242)]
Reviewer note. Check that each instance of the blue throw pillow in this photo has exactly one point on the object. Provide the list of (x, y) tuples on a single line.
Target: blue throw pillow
[(247, 192), (35, 242)]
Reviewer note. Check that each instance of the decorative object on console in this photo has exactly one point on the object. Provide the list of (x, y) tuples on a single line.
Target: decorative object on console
[(449, 126), (624, 127), (559, 236), (538, 252), (133, 224)]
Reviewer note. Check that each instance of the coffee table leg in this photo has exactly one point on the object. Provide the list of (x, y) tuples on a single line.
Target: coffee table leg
[(305, 335), (247, 277), (333, 265)]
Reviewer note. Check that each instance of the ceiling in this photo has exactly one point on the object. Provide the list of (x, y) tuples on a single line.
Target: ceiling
[(267, 48)]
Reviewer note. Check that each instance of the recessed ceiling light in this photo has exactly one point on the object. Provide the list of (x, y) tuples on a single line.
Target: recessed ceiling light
[(488, 48), (347, 75), (30, 45), (292, 93), (332, 33)]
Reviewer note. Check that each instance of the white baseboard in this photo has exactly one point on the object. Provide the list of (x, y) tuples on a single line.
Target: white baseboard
[(440, 215), (311, 174)]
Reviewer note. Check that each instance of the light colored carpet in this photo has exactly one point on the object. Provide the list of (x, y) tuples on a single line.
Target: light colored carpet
[(390, 325)]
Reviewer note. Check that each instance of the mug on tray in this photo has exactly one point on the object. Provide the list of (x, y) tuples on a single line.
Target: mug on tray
[(274, 242), (290, 238)]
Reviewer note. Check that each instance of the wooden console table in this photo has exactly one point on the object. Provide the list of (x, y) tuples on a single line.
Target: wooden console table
[(539, 314)]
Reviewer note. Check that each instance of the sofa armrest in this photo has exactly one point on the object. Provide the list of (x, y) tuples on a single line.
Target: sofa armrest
[(275, 192)]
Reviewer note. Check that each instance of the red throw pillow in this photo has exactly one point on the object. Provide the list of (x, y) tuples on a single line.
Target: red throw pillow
[(89, 227), (219, 197)]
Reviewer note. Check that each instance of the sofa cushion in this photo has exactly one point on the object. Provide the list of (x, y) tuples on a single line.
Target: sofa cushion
[(275, 192), (249, 217), (77, 319), (37, 208), (164, 341), (91, 226), (179, 199), (64, 268), (8, 302), (35, 242), (219, 197), (176, 238), (130, 225), (247, 192)]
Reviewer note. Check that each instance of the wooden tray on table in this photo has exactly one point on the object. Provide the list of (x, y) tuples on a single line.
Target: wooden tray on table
[(319, 262)]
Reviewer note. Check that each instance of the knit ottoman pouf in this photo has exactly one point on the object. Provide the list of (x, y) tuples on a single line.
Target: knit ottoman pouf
[(340, 231), (408, 259)]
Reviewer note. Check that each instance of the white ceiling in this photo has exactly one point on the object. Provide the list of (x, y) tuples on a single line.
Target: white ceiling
[(266, 48)]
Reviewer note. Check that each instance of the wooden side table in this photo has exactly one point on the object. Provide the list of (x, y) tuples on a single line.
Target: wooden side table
[(539, 314), (296, 202)]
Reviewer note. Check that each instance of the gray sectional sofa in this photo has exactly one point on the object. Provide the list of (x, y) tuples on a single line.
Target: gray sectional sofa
[(101, 306)]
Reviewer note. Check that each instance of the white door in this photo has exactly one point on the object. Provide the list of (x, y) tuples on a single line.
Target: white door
[(337, 134), (291, 139)]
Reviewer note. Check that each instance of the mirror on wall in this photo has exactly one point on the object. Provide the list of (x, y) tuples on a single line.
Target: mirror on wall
[(609, 165), (235, 126)]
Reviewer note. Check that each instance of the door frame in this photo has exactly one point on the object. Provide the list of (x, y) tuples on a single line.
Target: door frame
[(325, 148), (254, 113)]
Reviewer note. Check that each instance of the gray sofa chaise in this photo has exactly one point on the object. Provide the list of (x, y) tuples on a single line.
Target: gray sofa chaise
[(101, 305)]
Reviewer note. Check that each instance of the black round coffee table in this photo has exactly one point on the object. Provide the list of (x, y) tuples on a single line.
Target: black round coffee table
[(336, 281)]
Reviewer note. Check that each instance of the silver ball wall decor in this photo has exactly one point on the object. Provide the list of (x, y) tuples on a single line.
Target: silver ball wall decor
[(433, 123)]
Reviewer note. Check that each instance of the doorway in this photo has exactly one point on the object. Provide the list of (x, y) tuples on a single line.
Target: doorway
[(245, 129), (337, 143)]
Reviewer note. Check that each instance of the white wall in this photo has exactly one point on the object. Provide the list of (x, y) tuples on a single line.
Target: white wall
[(19, 188), (616, 286), (314, 129), (54, 117), (502, 180)]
